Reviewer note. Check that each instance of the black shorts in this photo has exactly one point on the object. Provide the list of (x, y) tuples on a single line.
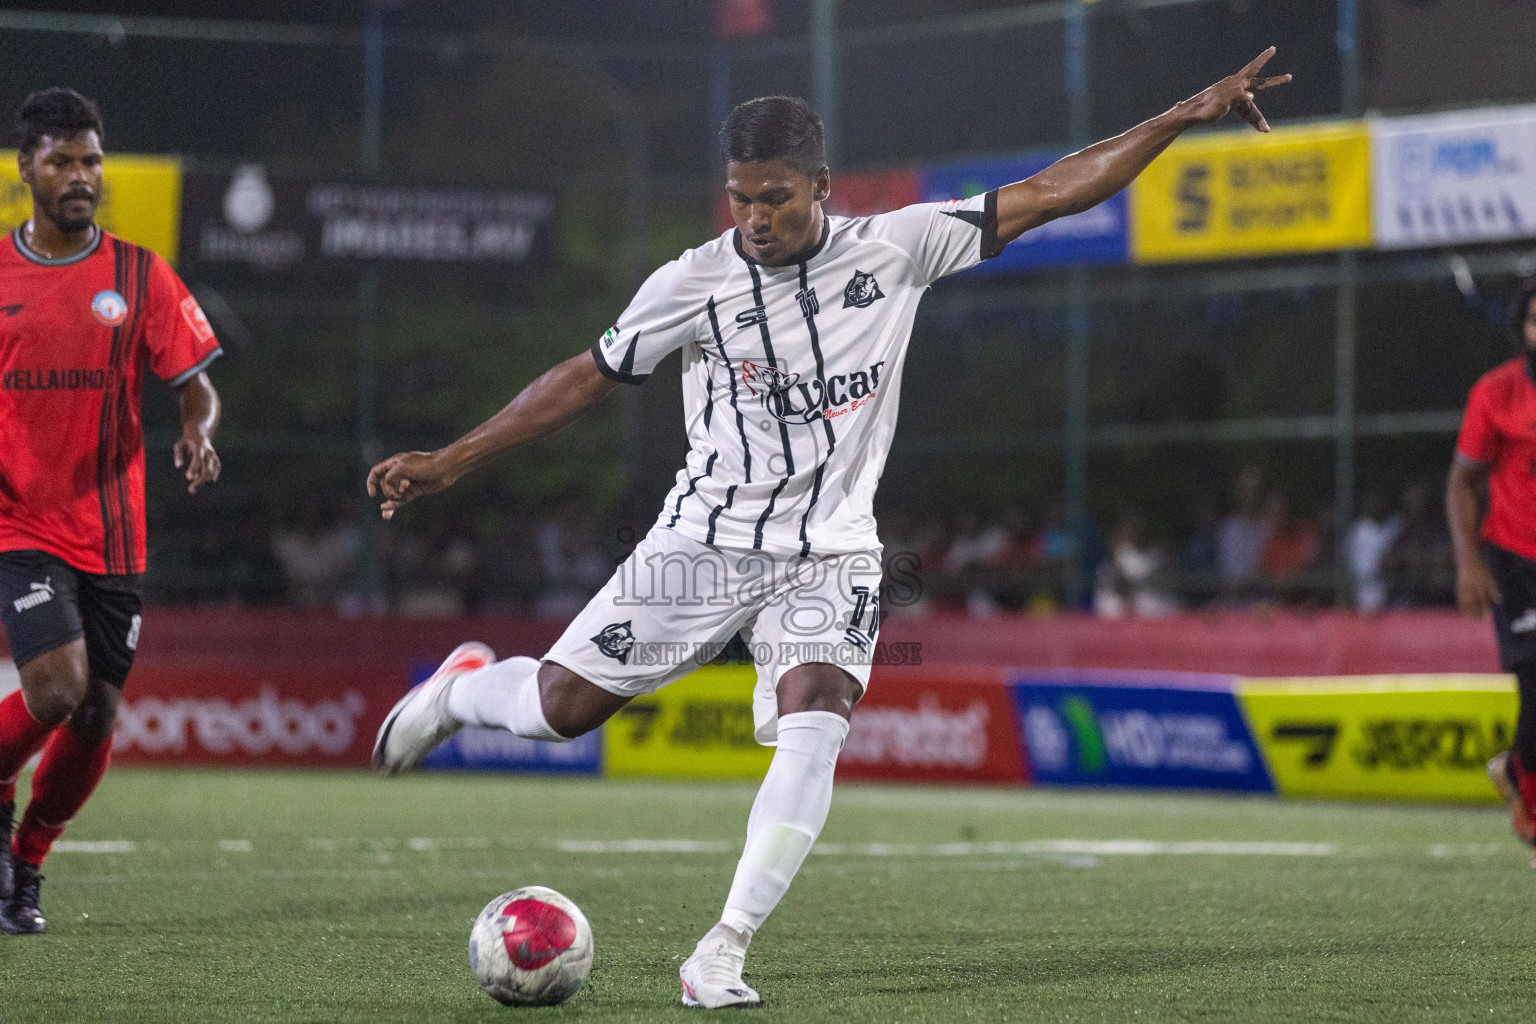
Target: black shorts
[(46, 603), (1514, 620)]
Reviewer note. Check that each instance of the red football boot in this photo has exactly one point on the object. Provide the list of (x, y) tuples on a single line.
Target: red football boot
[(1518, 788)]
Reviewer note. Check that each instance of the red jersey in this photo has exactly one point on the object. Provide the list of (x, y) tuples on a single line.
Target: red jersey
[(74, 333), (1498, 432)]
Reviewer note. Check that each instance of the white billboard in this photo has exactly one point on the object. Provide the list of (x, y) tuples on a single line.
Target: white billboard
[(1446, 179)]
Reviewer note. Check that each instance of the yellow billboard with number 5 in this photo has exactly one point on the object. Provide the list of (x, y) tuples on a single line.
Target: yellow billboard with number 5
[(1229, 194)]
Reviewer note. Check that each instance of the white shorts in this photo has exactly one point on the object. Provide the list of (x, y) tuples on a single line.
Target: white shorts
[(675, 603)]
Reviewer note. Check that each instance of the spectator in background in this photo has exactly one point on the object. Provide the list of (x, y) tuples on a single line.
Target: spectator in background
[(1370, 538), (1291, 546), (1200, 560), (1420, 568), (574, 566), (1241, 535), (319, 554), (1132, 580)]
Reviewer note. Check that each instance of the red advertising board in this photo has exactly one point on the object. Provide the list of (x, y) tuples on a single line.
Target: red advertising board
[(854, 194), (310, 714), (934, 725)]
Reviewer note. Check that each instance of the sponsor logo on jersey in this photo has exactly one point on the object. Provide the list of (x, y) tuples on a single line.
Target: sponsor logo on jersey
[(788, 399), (610, 337), (53, 380), (41, 593), (196, 319), (13, 309), (751, 318), (616, 640), (862, 290), (809, 307), (109, 308)]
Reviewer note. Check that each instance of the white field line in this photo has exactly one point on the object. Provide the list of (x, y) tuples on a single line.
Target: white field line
[(1053, 848), (1039, 847), (646, 845), (100, 846)]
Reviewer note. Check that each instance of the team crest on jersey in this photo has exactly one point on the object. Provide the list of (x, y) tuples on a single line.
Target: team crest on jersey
[(616, 641), (109, 308), (862, 290)]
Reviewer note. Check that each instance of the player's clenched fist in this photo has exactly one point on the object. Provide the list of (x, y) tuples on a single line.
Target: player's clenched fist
[(400, 479)]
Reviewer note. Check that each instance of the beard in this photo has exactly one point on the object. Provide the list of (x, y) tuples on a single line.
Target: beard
[(69, 224)]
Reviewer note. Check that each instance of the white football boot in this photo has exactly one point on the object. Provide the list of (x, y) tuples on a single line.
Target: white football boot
[(712, 975), (420, 721)]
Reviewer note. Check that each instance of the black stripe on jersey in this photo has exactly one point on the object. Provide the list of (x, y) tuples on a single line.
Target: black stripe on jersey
[(986, 220), (114, 446), (989, 244), (623, 374), (821, 374), (789, 451), (693, 485), (730, 375), (730, 496)]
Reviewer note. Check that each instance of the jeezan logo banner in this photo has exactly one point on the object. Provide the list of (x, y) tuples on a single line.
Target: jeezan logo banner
[(1453, 178)]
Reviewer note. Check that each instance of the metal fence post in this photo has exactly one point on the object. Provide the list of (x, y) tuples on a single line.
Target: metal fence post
[(1079, 319), (1346, 341), (824, 70), (371, 583)]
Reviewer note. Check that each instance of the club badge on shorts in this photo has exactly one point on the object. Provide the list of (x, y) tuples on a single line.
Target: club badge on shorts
[(616, 640), (109, 308)]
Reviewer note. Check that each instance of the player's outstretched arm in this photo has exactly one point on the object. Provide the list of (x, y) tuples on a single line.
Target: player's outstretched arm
[(543, 407), (200, 411), (1085, 179)]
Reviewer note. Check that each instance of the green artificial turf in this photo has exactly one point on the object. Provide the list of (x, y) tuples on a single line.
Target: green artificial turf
[(340, 897)]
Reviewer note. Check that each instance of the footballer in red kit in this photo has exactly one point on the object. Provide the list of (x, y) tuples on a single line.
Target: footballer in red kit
[(1496, 564), (81, 312)]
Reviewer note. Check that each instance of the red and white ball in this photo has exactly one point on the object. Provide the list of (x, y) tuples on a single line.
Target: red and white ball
[(531, 947)]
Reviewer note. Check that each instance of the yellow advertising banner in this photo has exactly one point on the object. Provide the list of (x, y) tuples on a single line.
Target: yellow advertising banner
[(140, 199), (1369, 737), (1305, 189), (699, 727)]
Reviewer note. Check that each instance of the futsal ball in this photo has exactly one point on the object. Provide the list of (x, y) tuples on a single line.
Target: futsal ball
[(531, 947)]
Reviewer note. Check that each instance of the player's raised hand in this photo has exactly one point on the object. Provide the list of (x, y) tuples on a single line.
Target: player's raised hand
[(1235, 92), (401, 479), (195, 452)]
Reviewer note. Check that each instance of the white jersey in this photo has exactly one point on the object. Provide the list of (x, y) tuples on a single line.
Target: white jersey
[(792, 374)]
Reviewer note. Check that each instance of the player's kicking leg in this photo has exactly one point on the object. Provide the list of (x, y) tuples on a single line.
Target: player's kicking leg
[(791, 807), (472, 688)]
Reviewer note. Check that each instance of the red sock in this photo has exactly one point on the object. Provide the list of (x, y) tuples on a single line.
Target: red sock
[(72, 765), (1525, 781), (20, 736)]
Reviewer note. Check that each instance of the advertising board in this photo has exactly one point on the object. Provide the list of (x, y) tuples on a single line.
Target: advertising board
[(496, 750), (699, 727), (140, 199), (250, 220), (939, 725), (314, 714), (1227, 194), (1463, 176), (1098, 235), (1146, 729), (1371, 737)]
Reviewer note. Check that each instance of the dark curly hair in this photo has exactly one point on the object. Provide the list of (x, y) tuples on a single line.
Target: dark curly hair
[(58, 112), (775, 128)]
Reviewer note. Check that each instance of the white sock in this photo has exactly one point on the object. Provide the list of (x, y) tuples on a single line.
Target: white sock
[(504, 695), (787, 816)]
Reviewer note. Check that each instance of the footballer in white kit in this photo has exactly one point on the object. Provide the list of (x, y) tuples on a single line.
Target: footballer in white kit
[(793, 329)]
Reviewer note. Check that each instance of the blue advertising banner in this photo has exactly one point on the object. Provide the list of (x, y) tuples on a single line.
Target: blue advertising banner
[(1144, 729), (1098, 235), (475, 749)]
